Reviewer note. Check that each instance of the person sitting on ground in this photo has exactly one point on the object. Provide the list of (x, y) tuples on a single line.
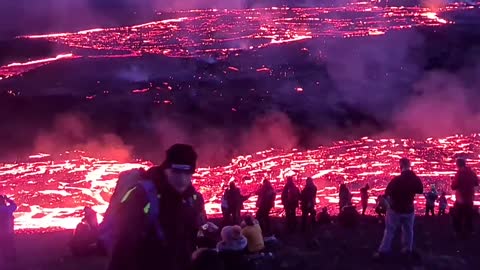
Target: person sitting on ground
[(208, 236), (349, 216), (430, 198), (85, 236), (232, 248), (7, 232), (323, 217), (442, 204), (401, 192), (344, 196), (252, 231)]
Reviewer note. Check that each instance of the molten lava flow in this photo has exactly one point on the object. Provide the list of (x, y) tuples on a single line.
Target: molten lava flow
[(223, 32), (15, 69), (220, 32), (51, 191)]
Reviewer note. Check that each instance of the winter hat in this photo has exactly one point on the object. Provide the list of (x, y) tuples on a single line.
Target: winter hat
[(232, 239), (181, 157)]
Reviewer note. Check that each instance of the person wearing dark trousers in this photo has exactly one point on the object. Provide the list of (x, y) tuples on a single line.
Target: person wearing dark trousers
[(265, 203), (464, 184), (364, 198), (235, 200), (290, 198), (308, 200), (430, 198)]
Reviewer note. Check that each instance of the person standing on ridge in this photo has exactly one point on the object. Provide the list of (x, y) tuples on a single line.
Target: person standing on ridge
[(7, 233), (364, 198), (290, 198), (430, 198), (344, 197), (401, 193), (160, 217), (234, 200), (442, 204), (308, 199), (464, 184), (265, 203)]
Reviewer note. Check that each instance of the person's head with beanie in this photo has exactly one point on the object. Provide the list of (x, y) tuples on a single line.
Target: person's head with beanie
[(179, 165), (232, 239)]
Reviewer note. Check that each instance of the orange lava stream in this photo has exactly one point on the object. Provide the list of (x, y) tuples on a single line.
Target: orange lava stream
[(52, 190)]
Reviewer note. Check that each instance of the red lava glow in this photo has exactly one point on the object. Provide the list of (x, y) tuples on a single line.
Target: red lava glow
[(222, 32), (15, 69), (52, 190), (203, 32)]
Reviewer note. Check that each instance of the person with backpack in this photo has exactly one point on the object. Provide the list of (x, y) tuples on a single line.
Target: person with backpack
[(364, 198), (308, 199), (430, 199), (401, 192), (234, 200), (159, 218), (464, 184), (7, 233), (290, 198), (265, 203), (126, 181)]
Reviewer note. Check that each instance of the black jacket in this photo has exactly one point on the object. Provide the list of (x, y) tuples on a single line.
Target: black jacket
[(402, 190), (235, 199), (137, 246), (266, 197), (308, 196), (290, 196)]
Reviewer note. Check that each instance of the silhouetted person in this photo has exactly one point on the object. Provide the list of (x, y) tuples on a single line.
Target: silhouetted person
[(442, 204), (323, 217), (160, 217), (7, 233), (265, 203), (234, 200), (227, 217), (308, 199), (364, 198), (430, 198), (85, 236), (290, 198), (464, 184), (401, 192), (344, 196)]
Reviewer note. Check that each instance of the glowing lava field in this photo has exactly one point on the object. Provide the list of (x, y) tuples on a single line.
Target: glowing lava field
[(51, 190), (222, 32)]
